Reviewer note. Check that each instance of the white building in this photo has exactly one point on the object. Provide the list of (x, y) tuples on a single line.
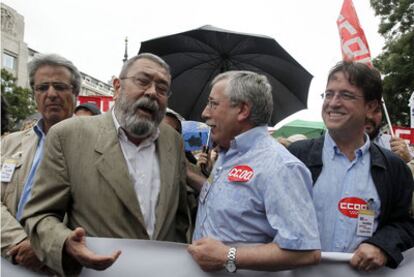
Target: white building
[(14, 51), (15, 54)]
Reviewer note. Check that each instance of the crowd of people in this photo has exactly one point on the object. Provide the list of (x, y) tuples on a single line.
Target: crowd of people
[(250, 203)]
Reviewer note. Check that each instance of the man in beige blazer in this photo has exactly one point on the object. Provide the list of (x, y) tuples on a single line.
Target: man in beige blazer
[(88, 175), (55, 82)]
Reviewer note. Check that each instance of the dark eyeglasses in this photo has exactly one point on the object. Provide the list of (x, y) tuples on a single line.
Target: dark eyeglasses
[(58, 87)]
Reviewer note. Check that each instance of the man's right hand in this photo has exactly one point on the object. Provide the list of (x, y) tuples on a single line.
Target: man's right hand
[(400, 147), (75, 246)]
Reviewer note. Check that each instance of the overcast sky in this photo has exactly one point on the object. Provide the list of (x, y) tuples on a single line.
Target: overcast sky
[(91, 33)]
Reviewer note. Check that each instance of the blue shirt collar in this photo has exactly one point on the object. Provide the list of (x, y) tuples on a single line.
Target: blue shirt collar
[(333, 149), (244, 141), (38, 129)]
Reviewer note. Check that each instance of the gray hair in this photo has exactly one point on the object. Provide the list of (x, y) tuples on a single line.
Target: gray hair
[(148, 56), (54, 60), (252, 88)]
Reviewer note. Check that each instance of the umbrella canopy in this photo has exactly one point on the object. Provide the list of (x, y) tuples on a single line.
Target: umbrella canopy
[(197, 56), (311, 129), (195, 135)]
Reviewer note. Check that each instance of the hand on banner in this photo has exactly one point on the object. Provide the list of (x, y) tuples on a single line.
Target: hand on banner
[(400, 147), (76, 247), (23, 254), (210, 254), (368, 257)]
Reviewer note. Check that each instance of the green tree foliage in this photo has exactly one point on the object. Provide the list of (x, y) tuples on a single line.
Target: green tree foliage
[(396, 62), (20, 102)]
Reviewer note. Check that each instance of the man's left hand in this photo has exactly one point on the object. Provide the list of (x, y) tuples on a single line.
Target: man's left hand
[(24, 255), (400, 147), (368, 257), (210, 254)]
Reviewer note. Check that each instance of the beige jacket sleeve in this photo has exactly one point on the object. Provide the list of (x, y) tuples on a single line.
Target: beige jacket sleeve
[(14, 147), (44, 212), (11, 231)]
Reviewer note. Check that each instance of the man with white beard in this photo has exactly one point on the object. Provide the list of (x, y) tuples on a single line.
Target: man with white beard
[(120, 174)]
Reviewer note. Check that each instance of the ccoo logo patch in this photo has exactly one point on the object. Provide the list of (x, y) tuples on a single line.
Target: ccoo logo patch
[(350, 206), (240, 173)]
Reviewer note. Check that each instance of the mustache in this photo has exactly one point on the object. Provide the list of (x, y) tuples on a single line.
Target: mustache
[(370, 122), (147, 104)]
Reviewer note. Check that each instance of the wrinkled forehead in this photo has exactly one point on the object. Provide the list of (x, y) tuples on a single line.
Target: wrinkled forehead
[(49, 71), (149, 68)]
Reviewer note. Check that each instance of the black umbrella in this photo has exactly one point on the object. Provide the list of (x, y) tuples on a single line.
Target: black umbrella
[(197, 56)]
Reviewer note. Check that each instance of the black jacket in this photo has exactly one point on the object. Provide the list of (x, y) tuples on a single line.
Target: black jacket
[(394, 183)]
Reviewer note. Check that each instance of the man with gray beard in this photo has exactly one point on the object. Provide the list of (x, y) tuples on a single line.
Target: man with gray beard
[(120, 174)]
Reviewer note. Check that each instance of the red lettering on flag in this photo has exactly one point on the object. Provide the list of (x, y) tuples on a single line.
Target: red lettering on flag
[(405, 133), (354, 45)]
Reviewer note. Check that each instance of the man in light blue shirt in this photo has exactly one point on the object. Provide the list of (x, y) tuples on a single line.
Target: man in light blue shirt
[(257, 192), (362, 192), (356, 185), (55, 82)]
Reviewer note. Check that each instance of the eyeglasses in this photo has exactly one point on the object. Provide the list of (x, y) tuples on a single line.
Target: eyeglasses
[(212, 104), (58, 87), (143, 82), (342, 95)]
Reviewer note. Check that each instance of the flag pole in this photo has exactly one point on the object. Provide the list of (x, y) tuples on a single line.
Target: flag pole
[(351, 34), (387, 117)]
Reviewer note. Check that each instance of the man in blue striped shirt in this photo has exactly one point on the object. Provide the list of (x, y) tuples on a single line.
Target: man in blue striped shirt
[(257, 193)]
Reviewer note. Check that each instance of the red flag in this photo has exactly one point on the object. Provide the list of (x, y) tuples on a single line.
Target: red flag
[(354, 45)]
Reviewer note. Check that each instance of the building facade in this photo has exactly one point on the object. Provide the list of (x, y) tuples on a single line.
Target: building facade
[(14, 51), (15, 54)]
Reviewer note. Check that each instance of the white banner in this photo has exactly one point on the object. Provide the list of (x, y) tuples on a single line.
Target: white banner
[(154, 258)]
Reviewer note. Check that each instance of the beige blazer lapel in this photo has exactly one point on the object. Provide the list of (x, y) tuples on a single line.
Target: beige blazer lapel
[(28, 150), (167, 161), (22, 150), (112, 166)]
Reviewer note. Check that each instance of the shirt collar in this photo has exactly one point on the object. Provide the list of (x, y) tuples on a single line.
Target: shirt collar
[(38, 129), (122, 134), (333, 149), (243, 142)]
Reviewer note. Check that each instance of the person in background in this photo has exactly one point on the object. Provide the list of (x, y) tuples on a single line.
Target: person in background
[(174, 119), (87, 109), (248, 196), (118, 175), (361, 191), (395, 144), (55, 82)]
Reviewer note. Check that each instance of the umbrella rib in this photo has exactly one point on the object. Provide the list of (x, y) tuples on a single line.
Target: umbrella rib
[(209, 79), (262, 71), (211, 63)]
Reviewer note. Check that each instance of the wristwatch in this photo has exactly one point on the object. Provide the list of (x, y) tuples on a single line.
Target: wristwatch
[(230, 264)]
